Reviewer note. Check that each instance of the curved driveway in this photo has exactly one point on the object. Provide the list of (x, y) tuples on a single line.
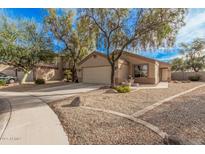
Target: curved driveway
[(32, 121)]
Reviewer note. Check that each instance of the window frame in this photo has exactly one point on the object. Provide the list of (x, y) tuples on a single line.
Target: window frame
[(141, 65)]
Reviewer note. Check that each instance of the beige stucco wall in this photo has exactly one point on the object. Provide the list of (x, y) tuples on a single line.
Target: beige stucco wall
[(92, 62), (47, 73), (169, 74), (122, 71), (157, 77), (151, 69), (52, 73), (124, 68)]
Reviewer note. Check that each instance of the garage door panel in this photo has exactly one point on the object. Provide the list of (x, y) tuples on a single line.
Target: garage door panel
[(97, 75)]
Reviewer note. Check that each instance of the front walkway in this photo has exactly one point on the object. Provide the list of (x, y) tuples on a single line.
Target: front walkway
[(160, 85), (32, 121)]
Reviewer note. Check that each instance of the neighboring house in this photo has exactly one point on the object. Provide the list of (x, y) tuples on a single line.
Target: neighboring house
[(47, 72), (95, 68)]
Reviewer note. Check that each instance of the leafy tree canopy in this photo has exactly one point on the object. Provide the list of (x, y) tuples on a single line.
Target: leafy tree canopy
[(121, 29), (75, 35), (23, 46), (195, 54), (178, 64)]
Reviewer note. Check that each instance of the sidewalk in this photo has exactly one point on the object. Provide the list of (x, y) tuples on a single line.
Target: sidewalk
[(5, 114), (32, 122)]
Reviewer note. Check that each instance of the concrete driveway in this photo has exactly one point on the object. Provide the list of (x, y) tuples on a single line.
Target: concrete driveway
[(31, 121)]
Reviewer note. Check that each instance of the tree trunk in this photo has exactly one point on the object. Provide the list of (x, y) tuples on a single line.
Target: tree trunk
[(34, 74), (26, 73), (113, 75), (16, 72), (74, 74)]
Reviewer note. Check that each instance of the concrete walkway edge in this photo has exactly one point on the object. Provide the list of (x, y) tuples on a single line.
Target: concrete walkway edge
[(32, 121), (150, 126), (8, 117), (151, 107)]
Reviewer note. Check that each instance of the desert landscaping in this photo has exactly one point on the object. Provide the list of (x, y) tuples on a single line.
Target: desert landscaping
[(85, 126)]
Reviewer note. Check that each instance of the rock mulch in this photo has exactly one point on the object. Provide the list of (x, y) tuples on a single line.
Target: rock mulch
[(182, 117), (91, 127), (130, 103)]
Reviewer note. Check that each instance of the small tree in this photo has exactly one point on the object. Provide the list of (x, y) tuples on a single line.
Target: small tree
[(77, 40), (196, 63), (22, 46), (179, 64), (120, 29), (194, 53)]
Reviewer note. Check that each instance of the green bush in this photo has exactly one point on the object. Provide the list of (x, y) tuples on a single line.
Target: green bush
[(40, 81), (68, 75), (2, 83), (194, 78), (122, 89)]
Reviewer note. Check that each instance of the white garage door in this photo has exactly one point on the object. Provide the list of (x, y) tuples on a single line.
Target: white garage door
[(97, 75)]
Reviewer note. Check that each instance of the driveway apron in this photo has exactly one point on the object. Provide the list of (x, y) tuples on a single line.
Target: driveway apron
[(32, 121)]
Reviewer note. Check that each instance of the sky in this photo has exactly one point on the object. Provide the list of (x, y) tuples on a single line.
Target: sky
[(194, 28)]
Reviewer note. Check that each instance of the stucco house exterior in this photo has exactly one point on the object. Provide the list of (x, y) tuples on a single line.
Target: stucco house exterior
[(95, 68), (48, 72)]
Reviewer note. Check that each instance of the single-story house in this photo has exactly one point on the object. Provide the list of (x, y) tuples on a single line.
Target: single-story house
[(48, 72), (95, 68)]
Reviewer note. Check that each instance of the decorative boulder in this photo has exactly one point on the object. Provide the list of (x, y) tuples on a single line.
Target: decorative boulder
[(175, 140), (77, 101)]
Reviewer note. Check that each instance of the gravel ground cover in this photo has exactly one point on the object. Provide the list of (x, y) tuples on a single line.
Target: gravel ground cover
[(183, 117), (129, 103), (91, 127)]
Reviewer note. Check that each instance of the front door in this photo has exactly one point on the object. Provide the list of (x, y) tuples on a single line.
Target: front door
[(164, 74)]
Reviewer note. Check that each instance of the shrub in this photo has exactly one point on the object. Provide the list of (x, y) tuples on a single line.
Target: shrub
[(40, 81), (68, 75), (2, 83), (123, 89), (194, 78)]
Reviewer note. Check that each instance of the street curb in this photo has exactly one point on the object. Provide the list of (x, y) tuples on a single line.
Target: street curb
[(7, 119)]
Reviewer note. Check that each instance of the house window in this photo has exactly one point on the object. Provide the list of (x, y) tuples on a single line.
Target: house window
[(141, 70)]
